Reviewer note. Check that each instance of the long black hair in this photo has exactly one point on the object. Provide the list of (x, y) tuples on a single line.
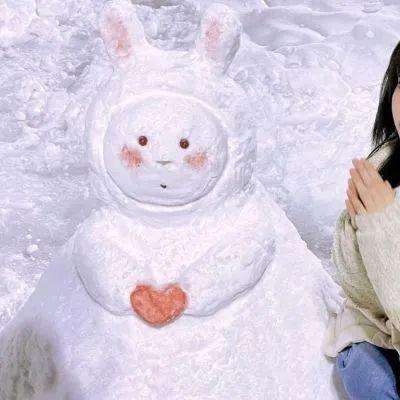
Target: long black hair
[(384, 128)]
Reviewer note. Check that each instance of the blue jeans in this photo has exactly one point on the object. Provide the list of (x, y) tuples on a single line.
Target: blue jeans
[(369, 372)]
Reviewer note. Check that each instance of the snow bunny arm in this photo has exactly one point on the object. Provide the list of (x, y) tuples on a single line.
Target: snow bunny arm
[(229, 269), (108, 271), (378, 236), (350, 269)]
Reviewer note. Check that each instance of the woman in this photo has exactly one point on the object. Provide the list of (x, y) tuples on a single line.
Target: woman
[(365, 335)]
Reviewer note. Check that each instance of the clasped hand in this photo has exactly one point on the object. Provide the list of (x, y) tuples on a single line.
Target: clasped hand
[(367, 192)]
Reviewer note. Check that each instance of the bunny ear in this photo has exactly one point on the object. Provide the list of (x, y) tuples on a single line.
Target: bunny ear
[(219, 37), (121, 30)]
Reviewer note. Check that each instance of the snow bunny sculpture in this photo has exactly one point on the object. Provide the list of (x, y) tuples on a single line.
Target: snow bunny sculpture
[(162, 291), (172, 150)]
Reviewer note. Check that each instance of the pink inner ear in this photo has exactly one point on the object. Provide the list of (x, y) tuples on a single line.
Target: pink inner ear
[(213, 34), (117, 36), (197, 160)]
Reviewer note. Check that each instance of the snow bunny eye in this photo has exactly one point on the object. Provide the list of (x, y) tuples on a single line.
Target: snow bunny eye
[(184, 143), (142, 140)]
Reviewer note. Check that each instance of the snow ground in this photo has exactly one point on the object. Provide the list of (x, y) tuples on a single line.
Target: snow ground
[(301, 60)]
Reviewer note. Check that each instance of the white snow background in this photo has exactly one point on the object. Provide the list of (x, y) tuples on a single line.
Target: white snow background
[(315, 67)]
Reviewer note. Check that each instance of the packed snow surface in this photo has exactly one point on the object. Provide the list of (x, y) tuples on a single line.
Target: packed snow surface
[(312, 69)]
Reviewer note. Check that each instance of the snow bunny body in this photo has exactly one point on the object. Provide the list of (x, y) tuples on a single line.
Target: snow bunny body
[(163, 291), (172, 151)]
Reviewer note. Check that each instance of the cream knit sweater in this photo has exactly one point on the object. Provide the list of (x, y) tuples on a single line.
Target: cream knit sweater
[(367, 261)]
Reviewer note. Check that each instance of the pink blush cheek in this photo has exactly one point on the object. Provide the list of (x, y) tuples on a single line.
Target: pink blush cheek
[(132, 158), (196, 161)]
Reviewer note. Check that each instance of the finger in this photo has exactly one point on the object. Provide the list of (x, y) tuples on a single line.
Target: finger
[(362, 190), (373, 172), (391, 193), (352, 213), (350, 208), (351, 195), (353, 190), (389, 186), (352, 187), (378, 188), (364, 173), (373, 182), (356, 202)]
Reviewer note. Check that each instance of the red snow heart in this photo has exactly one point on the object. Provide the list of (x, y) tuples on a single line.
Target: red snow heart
[(158, 307)]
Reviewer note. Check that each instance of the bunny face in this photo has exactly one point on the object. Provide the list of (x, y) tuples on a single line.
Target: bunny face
[(166, 150), (170, 132)]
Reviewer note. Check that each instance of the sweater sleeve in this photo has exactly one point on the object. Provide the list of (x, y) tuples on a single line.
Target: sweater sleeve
[(350, 270), (378, 237)]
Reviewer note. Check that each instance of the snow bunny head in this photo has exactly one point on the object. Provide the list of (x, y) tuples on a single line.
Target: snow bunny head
[(170, 131)]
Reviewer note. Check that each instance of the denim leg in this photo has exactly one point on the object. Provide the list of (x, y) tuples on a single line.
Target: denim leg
[(366, 373)]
